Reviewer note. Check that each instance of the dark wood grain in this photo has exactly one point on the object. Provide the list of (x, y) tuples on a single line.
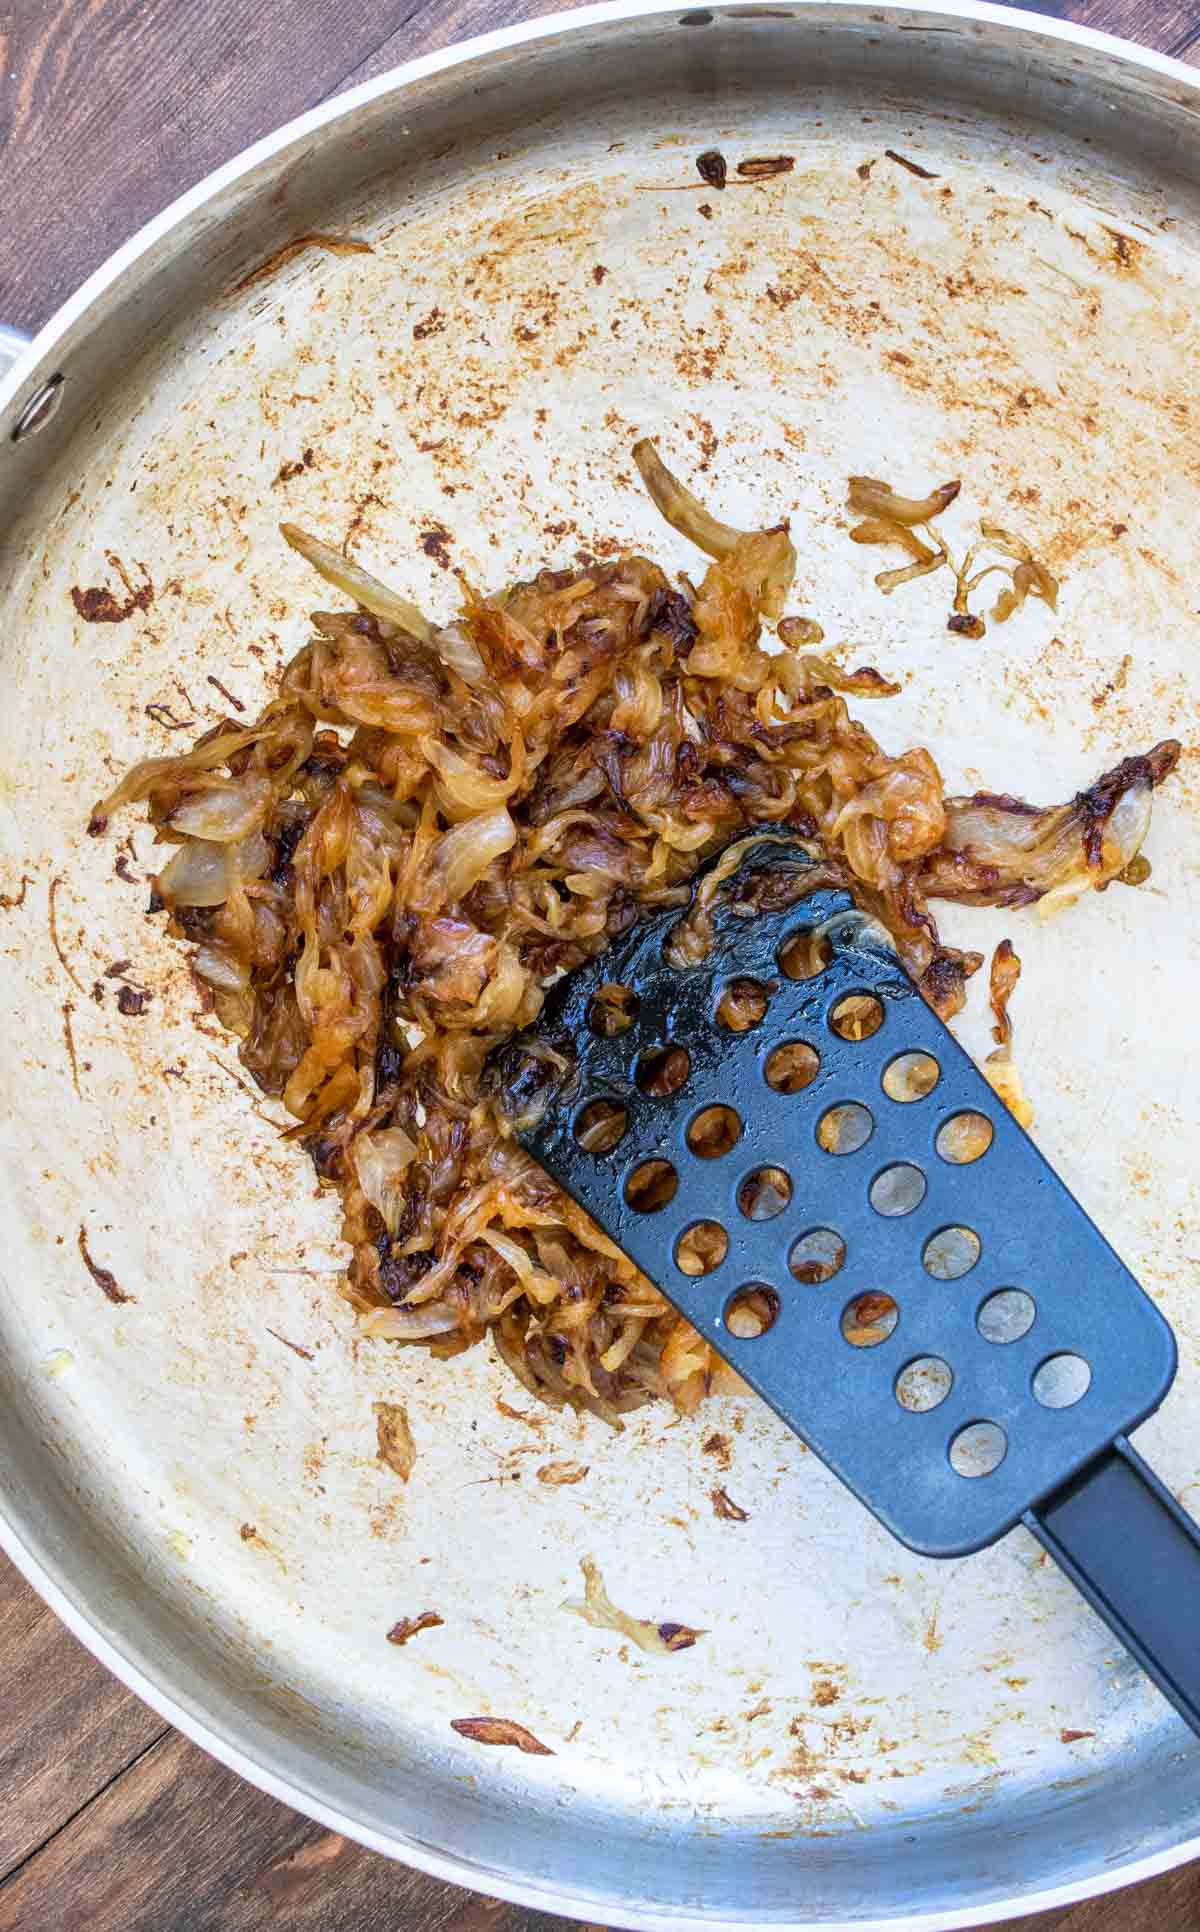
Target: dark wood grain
[(180, 1842), (67, 1728), (108, 1821), (110, 108)]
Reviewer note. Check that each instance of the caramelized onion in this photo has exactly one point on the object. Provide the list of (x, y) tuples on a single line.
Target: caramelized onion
[(355, 582), (424, 829)]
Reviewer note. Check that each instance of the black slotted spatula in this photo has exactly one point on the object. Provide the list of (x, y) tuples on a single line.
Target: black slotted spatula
[(818, 1176)]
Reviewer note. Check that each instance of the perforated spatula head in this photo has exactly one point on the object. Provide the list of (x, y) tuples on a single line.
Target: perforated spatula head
[(887, 1259)]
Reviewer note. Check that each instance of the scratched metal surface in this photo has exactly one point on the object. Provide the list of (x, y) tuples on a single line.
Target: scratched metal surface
[(877, 1736)]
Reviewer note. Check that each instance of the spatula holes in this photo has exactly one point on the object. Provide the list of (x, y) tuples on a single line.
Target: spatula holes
[(951, 1253), (612, 1009), (924, 1384), (817, 1256), (701, 1248), (742, 1005), (857, 1016), (869, 1319), (600, 1125), (764, 1193), (978, 1450), (662, 1070), (750, 1312), (897, 1190), (1062, 1381), (792, 1067), (714, 1132), (804, 955), (964, 1138), (910, 1076), (651, 1186), (1006, 1316), (845, 1128)]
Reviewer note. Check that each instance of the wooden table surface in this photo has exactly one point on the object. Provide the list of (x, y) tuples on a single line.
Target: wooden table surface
[(109, 1820)]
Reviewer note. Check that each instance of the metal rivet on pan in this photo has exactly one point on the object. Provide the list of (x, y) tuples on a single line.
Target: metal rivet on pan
[(39, 409)]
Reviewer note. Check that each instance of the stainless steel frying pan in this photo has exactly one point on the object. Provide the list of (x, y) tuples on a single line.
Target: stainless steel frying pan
[(189, 1475)]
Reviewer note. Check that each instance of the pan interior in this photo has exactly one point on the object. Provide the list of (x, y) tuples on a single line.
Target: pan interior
[(873, 1734)]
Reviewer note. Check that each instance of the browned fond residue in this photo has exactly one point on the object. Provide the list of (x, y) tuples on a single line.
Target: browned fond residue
[(99, 605), (725, 1507), (433, 542), (305, 1354), (69, 1037), (9, 901), (332, 244), (226, 694), (52, 912), (288, 471), (432, 324), (1115, 683), (409, 1626), (500, 1730), (132, 1001), (825, 1692), (104, 1278), (1125, 250), (719, 1447), (358, 520), (914, 167)]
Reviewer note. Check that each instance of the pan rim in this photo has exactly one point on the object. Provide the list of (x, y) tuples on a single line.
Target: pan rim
[(123, 1654), (504, 40), (120, 1658)]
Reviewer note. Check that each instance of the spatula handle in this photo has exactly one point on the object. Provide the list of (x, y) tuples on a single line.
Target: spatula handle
[(1135, 1554)]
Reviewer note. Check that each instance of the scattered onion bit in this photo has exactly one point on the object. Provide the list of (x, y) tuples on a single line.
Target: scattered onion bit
[(555, 1474), (500, 1730), (410, 1626), (394, 1437), (872, 498), (999, 1068), (597, 1607)]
